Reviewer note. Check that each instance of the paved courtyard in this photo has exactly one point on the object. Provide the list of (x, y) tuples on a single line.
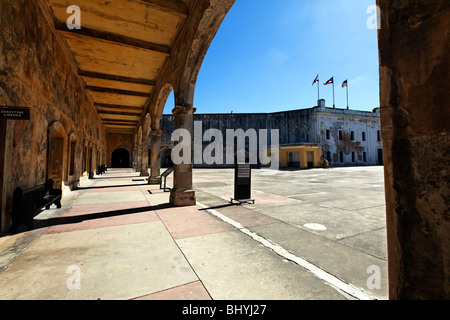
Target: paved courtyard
[(333, 218), (311, 234)]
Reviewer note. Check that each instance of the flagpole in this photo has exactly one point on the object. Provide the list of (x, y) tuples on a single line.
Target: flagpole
[(318, 91), (334, 105), (347, 96)]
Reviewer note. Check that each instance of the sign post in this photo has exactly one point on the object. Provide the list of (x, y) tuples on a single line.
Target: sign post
[(242, 182)]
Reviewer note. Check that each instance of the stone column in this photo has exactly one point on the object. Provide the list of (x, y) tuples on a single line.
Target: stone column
[(182, 193), (414, 63), (139, 157), (155, 162), (144, 161), (135, 157)]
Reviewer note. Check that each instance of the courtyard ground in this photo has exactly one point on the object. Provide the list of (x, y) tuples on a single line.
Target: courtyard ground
[(314, 234)]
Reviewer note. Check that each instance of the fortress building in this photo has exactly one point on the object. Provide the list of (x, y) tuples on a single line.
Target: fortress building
[(306, 136)]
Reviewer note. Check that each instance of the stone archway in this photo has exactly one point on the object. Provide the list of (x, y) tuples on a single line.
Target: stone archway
[(57, 139), (120, 158)]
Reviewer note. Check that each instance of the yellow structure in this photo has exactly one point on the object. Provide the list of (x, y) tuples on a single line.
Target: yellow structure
[(301, 155)]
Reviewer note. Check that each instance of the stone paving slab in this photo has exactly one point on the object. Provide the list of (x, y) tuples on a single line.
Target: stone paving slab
[(346, 203), (346, 263), (232, 267), (243, 215), (109, 197), (190, 291), (120, 262), (188, 222), (74, 221), (339, 223)]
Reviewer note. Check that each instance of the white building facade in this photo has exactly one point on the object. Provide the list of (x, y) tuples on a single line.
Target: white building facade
[(348, 137)]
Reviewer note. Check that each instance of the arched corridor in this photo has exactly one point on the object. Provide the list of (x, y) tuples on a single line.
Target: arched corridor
[(106, 85)]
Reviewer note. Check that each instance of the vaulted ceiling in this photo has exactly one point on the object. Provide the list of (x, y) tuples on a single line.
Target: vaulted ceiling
[(119, 51)]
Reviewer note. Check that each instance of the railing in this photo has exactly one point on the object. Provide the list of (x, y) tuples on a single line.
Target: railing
[(164, 176)]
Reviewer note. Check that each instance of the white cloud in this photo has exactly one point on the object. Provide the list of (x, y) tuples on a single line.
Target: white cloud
[(357, 79), (276, 56)]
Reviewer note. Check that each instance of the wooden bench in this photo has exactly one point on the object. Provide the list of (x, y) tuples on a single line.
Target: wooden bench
[(28, 203)]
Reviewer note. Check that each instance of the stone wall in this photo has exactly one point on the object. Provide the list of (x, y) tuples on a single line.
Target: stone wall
[(300, 126), (37, 72), (293, 126), (115, 141), (414, 47)]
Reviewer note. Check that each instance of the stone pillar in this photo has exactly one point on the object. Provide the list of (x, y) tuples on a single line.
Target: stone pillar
[(414, 64), (155, 162), (144, 161), (182, 193), (135, 157), (139, 157)]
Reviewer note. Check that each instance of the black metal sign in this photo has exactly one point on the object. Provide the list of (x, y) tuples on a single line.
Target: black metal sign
[(242, 182), (15, 113)]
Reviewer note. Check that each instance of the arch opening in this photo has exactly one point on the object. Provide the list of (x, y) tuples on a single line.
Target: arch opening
[(120, 158)]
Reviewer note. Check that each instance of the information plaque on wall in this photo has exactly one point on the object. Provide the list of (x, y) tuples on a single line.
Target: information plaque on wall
[(15, 113)]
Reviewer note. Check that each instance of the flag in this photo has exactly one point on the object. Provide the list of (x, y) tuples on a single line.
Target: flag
[(316, 80), (329, 81), (345, 84)]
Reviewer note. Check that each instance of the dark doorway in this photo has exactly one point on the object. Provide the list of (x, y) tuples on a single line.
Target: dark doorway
[(2, 168), (166, 158), (310, 159), (380, 157), (120, 158), (56, 160)]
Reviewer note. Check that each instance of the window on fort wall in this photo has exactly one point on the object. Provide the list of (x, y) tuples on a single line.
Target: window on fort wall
[(328, 134), (363, 136), (364, 156), (352, 135), (341, 135)]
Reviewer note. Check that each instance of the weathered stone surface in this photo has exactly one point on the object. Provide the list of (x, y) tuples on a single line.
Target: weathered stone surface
[(414, 65), (36, 72)]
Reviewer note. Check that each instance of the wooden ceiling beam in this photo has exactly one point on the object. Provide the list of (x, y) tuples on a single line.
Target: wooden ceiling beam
[(118, 107), (113, 77), (119, 124), (130, 128), (103, 35), (111, 116), (170, 6), (130, 113), (121, 120), (118, 91)]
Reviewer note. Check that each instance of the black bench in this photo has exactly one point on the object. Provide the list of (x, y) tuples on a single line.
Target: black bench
[(101, 169), (28, 203)]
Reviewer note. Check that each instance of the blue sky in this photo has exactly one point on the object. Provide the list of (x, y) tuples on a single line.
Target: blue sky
[(267, 53)]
